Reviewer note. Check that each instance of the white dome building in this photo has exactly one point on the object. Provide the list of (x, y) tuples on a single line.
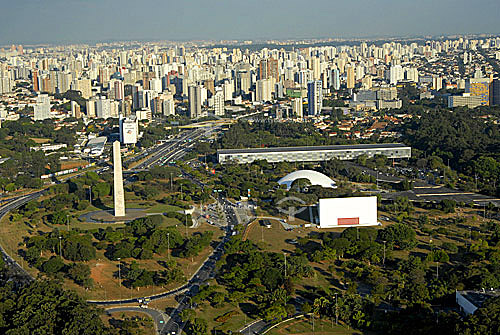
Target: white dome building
[(314, 177)]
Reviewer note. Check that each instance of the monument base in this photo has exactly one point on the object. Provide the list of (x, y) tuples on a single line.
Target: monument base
[(108, 216)]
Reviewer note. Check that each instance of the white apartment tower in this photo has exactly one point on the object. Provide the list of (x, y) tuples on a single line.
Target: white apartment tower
[(219, 102), (42, 107)]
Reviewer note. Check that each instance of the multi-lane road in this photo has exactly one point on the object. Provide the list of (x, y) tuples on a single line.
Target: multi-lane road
[(170, 149)]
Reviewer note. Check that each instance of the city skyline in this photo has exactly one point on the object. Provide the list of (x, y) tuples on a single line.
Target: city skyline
[(74, 21)]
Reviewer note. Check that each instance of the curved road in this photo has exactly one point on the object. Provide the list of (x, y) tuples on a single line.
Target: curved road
[(159, 318)]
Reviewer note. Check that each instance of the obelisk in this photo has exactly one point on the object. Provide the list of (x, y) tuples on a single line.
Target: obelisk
[(118, 180)]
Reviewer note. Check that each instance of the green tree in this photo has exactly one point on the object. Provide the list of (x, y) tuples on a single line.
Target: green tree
[(43, 308), (198, 326)]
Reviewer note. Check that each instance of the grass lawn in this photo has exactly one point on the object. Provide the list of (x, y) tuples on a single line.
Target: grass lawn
[(146, 325), (275, 238), (304, 326), (163, 208), (234, 323)]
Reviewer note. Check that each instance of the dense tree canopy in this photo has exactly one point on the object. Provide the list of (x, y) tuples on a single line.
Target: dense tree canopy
[(44, 308)]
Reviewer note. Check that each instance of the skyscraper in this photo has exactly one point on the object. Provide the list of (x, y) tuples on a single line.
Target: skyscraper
[(36, 86), (495, 92), (42, 107), (194, 95), (103, 108), (118, 89), (351, 80), (314, 97), (90, 107), (263, 90), (219, 102), (395, 74), (316, 68), (297, 107), (75, 110), (335, 79), (268, 68)]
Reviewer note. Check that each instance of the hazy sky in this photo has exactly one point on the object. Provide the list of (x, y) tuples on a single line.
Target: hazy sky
[(34, 21)]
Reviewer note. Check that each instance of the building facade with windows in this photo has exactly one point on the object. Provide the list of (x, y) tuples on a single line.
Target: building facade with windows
[(313, 153)]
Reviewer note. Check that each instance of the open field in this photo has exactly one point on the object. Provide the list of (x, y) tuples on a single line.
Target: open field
[(40, 140), (72, 164)]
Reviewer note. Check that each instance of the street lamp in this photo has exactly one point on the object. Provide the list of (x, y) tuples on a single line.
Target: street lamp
[(90, 195), (168, 245), (119, 273), (60, 249)]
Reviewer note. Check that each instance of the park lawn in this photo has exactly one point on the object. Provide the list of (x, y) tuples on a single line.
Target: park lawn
[(274, 238), (163, 208), (304, 326), (234, 323), (11, 236), (104, 272), (321, 278), (166, 304), (146, 324)]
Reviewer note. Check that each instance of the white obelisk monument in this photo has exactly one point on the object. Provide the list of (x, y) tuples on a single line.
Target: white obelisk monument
[(118, 180)]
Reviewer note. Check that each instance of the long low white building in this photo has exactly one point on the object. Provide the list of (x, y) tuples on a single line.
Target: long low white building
[(313, 153), (347, 212)]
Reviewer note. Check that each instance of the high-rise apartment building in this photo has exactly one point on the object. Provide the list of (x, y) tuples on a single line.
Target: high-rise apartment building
[(194, 95), (268, 68), (335, 79), (36, 85), (90, 107), (42, 107), (219, 102), (314, 97), (103, 108), (495, 92), (118, 89), (75, 110), (263, 90), (395, 74), (316, 68), (351, 79), (168, 105), (297, 108)]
